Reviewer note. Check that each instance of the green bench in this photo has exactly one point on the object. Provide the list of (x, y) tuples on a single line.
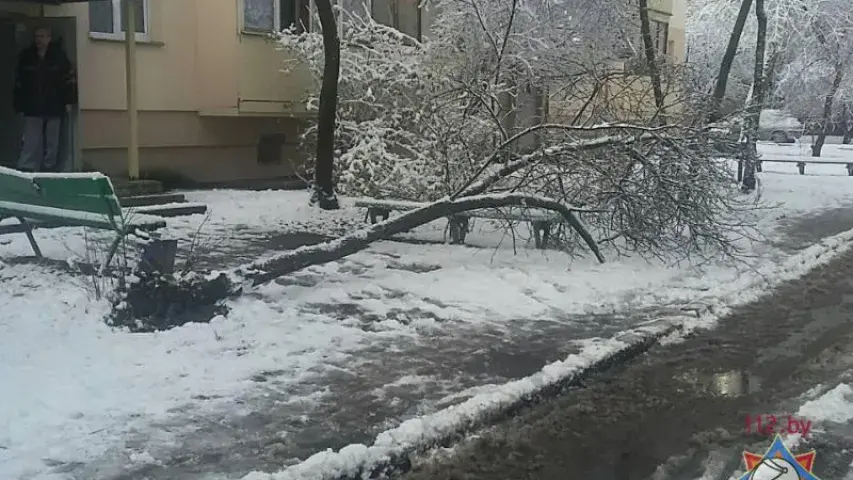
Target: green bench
[(67, 200), (541, 221)]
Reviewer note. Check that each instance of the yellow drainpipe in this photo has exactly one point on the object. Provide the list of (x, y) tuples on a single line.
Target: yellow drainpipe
[(130, 79)]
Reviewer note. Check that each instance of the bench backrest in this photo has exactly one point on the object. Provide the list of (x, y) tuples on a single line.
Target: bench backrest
[(43, 196)]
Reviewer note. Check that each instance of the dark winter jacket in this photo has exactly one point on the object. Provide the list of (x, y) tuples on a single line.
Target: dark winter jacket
[(44, 85)]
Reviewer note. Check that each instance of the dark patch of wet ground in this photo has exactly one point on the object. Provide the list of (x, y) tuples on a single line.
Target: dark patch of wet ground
[(798, 233), (668, 407)]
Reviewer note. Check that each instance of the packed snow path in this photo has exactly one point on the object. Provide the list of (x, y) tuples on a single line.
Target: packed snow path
[(681, 410)]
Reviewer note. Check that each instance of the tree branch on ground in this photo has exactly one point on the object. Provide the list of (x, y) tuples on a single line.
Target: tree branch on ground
[(289, 262)]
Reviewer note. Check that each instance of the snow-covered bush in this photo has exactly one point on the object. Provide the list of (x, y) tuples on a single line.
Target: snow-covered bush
[(400, 132)]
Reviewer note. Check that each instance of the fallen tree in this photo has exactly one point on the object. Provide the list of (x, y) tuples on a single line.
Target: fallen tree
[(639, 203), (156, 302), (289, 262)]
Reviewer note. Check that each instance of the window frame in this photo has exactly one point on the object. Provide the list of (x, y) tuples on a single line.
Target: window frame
[(395, 14), (118, 23), (277, 28)]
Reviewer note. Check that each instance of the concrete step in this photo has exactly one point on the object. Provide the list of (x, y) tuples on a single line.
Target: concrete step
[(156, 199), (132, 188), (170, 209), (275, 183)]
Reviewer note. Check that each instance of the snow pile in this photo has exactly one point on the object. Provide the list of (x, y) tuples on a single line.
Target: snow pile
[(835, 405)]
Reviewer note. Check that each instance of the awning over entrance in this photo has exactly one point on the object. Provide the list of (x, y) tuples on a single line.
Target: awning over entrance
[(130, 66)]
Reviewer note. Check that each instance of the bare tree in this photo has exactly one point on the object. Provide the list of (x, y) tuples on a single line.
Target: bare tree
[(651, 60), (324, 187), (749, 138), (847, 123), (838, 75), (831, 28), (728, 59)]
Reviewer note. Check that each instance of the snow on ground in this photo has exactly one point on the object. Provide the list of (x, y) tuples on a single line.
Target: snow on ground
[(836, 406), (77, 397)]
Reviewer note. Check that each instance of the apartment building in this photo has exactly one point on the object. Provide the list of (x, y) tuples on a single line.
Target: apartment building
[(212, 104)]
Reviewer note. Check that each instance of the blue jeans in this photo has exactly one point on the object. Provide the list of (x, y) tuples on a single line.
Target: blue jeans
[(41, 144)]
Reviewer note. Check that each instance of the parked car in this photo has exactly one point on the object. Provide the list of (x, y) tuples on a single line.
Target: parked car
[(773, 125), (779, 126)]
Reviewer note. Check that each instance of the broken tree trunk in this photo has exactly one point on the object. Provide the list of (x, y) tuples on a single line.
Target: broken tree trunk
[(289, 262)]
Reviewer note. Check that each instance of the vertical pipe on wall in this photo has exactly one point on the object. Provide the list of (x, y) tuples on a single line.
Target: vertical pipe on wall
[(130, 78)]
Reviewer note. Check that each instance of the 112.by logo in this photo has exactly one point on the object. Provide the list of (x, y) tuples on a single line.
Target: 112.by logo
[(770, 425)]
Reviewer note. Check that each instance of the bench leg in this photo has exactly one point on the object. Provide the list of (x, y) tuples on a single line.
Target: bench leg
[(802, 167), (850, 169), (159, 256), (458, 229), (541, 233), (376, 213), (758, 166), (110, 254), (28, 230)]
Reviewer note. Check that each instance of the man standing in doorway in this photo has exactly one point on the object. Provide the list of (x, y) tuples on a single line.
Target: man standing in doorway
[(44, 93)]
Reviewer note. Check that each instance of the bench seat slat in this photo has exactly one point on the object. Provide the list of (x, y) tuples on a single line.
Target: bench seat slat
[(489, 214), (817, 162), (81, 203), (519, 216), (52, 215), (393, 204)]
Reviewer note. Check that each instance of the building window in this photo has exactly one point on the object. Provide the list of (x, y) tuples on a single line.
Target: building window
[(404, 15), (276, 15), (660, 36), (106, 19)]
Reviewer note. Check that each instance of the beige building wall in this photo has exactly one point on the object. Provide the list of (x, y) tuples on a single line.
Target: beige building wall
[(676, 30)]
